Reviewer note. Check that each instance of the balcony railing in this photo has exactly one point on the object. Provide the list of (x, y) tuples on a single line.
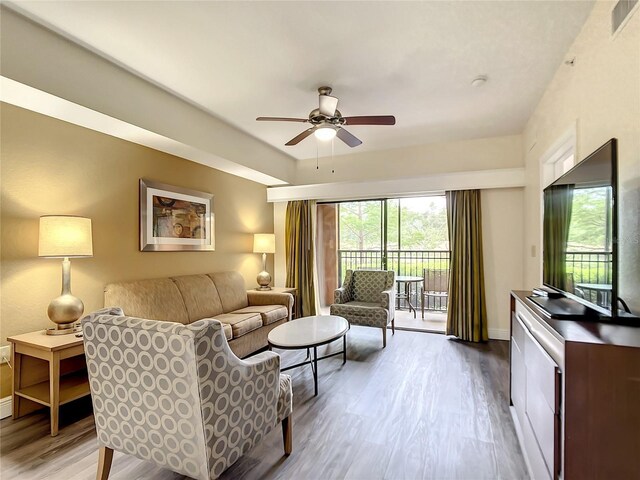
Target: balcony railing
[(586, 267), (403, 262), (590, 268)]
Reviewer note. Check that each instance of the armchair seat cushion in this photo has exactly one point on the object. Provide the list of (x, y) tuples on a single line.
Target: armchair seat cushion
[(269, 313), (241, 323), (362, 313)]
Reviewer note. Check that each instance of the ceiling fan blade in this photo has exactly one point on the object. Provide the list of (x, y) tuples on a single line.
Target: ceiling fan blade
[(328, 105), (371, 120), (300, 137), (281, 119), (348, 138)]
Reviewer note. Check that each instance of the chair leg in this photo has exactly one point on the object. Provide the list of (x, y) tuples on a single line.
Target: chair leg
[(104, 463), (287, 435), (384, 337), (393, 326)]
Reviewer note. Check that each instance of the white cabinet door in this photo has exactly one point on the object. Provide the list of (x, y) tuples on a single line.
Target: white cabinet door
[(542, 397)]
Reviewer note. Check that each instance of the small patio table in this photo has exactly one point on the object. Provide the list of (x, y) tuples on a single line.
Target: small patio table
[(407, 280)]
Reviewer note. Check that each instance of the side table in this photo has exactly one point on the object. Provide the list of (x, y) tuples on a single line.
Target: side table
[(293, 291), (47, 371), (407, 280)]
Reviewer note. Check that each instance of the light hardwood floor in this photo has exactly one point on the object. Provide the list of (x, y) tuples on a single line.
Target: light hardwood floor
[(433, 322), (427, 406)]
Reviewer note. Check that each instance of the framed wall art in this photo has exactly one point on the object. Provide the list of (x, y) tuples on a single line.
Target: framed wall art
[(175, 218)]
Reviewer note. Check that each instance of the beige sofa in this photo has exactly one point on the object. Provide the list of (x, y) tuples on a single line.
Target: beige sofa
[(246, 317)]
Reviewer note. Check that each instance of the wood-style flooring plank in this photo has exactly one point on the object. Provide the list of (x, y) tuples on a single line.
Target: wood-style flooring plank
[(427, 406)]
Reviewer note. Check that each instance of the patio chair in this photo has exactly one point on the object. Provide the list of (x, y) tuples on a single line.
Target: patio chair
[(367, 298), (435, 285)]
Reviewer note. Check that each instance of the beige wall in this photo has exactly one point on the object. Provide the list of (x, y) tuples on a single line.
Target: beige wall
[(502, 235), (5, 380), (52, 167), (429, 159), (601, 95)]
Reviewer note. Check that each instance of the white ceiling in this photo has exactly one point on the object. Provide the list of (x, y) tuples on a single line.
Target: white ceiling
[(415, 60)]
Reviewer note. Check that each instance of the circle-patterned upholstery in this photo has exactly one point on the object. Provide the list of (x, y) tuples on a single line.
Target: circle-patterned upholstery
[(177, 396)]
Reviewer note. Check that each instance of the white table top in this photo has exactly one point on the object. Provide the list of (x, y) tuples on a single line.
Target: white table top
[(308, 331), (408, 278)]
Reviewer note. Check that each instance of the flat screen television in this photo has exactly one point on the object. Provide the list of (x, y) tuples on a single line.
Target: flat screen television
[(580, 232)]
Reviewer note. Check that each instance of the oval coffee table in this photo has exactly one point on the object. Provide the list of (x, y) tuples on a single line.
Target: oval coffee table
[(311, 332)]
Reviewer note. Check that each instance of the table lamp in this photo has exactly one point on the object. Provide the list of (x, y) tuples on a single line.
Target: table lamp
[(65, 237), (264, 243)]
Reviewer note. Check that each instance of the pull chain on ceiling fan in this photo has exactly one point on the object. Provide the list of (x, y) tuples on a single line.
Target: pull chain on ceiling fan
[(327, 122)]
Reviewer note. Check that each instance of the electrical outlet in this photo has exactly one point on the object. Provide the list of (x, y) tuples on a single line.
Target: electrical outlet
[(5, 353)]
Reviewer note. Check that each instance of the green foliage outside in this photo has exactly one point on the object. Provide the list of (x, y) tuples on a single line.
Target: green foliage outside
[(417, 227), (589, 245), (588, 227)]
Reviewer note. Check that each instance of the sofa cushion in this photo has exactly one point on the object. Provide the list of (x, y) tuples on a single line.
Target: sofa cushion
[(268, 313), (157, 299), (226, 328), (200, 296), (241, 323), (232, 291)]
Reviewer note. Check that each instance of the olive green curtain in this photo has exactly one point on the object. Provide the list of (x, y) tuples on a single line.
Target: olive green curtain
[(300, 254), (558, 204), (467, 310)]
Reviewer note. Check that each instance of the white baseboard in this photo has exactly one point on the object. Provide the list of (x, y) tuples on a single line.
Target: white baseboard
[(5, 407), (499, 333)]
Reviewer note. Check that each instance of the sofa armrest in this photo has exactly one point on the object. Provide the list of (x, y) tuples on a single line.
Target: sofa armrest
[(271, 298), (341, 295), (388, 299)]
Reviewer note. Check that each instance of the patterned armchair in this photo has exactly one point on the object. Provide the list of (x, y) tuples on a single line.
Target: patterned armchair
[(367, 298), (176, 395)]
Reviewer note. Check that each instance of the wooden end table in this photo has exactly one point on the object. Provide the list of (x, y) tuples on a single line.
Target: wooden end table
[(48, 371)]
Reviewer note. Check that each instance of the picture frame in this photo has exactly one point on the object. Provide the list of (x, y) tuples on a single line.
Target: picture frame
[(174, 219)]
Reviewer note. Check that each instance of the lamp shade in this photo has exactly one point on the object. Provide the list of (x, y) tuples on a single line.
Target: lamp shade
[(264, 243), (65, 236)]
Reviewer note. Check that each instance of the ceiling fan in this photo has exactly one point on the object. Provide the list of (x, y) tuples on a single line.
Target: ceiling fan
[(327, 121)]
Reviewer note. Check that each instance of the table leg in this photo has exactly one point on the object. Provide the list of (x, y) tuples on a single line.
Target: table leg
[(315, 370), (407, 292), (344, 349), (16, 361), (54, 391)]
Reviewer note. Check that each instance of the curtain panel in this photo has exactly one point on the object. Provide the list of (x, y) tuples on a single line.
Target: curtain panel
[(467, 312), (558, 205), (299, 253)]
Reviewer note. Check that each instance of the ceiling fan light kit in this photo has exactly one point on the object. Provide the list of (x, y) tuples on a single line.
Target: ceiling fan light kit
[(327, 121), (325, 132)]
